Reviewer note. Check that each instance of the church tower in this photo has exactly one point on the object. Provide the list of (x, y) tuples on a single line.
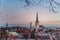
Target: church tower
[(37, 22)]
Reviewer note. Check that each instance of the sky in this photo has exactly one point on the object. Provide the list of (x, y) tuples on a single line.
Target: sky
[(15, 12)]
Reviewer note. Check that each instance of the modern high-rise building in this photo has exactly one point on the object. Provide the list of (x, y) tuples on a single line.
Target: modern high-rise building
[(30, 25), (37, 22)]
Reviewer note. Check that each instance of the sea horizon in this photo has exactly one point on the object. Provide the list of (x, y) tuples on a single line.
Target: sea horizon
[(28, 25)]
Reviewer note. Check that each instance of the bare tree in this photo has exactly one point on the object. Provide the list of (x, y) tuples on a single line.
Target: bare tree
[(52, 3)]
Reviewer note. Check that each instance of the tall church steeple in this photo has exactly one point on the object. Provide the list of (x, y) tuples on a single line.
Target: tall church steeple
[(37, 22), (37, 18)]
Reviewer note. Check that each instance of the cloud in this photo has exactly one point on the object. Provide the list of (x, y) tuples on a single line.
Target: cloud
[(51, 22)]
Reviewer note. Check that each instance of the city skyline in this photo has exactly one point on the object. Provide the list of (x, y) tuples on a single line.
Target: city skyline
[(13, 12)]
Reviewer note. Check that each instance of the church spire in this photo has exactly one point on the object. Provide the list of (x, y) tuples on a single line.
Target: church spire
[(37, 22), (37, 18)]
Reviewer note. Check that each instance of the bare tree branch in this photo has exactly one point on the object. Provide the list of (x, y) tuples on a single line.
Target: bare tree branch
[(52, 8), (55, 2), (27, 2), (52, 3)]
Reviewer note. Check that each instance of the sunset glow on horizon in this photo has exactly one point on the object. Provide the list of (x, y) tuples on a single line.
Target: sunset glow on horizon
[(14, 12)]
